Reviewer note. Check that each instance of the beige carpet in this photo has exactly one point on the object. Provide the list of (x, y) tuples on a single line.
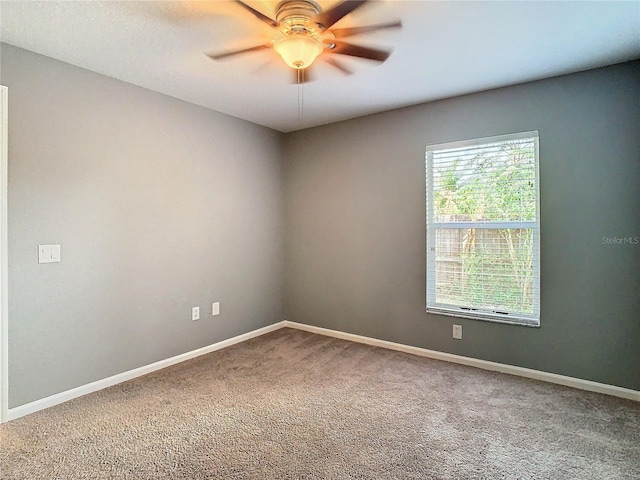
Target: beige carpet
[(294, 405)]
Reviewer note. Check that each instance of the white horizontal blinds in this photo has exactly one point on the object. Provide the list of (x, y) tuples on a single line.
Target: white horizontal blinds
[(482, 223)]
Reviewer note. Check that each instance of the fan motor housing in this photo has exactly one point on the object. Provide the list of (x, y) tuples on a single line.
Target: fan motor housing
[(296, 14)]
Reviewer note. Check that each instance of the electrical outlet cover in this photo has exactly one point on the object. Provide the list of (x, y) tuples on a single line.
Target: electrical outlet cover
[(457, 332)]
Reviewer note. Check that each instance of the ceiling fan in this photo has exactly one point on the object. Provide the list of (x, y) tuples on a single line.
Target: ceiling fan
[(302, 33)]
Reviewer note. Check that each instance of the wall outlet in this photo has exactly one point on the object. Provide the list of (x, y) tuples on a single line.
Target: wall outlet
[(457, 332), (215, 308), (195, 313)]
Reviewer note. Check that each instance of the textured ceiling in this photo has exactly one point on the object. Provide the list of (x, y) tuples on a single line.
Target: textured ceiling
[(444, 49)]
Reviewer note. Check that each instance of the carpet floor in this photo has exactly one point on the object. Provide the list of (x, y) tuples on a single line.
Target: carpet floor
[(296, 405)]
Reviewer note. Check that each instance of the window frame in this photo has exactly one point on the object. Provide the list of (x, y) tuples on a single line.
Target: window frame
[(515, 318)]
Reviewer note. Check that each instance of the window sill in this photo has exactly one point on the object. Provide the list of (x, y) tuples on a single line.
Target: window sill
[(508, 319)]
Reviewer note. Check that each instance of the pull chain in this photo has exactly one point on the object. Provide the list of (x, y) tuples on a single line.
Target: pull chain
[(300, 94)]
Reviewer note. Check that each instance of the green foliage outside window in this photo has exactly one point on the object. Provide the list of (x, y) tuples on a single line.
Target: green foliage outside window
[(493, 266)]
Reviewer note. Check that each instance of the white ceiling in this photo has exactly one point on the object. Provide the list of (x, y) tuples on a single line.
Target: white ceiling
[(445, 48)]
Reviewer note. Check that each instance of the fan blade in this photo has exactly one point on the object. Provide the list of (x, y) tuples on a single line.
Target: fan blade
[(260, 16), (302, 75), (225, 55), (348, 32), (337, 64), (327, 18), (345, 48)]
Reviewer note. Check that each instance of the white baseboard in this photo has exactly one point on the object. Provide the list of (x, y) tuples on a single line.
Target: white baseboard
[(473, 362), (61, 397)]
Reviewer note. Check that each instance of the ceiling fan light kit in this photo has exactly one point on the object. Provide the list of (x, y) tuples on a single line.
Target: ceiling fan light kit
[(304, 33), (298, 51)]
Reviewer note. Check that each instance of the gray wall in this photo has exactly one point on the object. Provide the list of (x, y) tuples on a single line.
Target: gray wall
[(355, 224), (159, 205)]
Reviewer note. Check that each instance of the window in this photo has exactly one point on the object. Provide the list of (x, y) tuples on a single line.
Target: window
[(483, 229)]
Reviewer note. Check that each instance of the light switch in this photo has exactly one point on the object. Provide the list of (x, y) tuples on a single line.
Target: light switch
[(55, 253), (48, 253)]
